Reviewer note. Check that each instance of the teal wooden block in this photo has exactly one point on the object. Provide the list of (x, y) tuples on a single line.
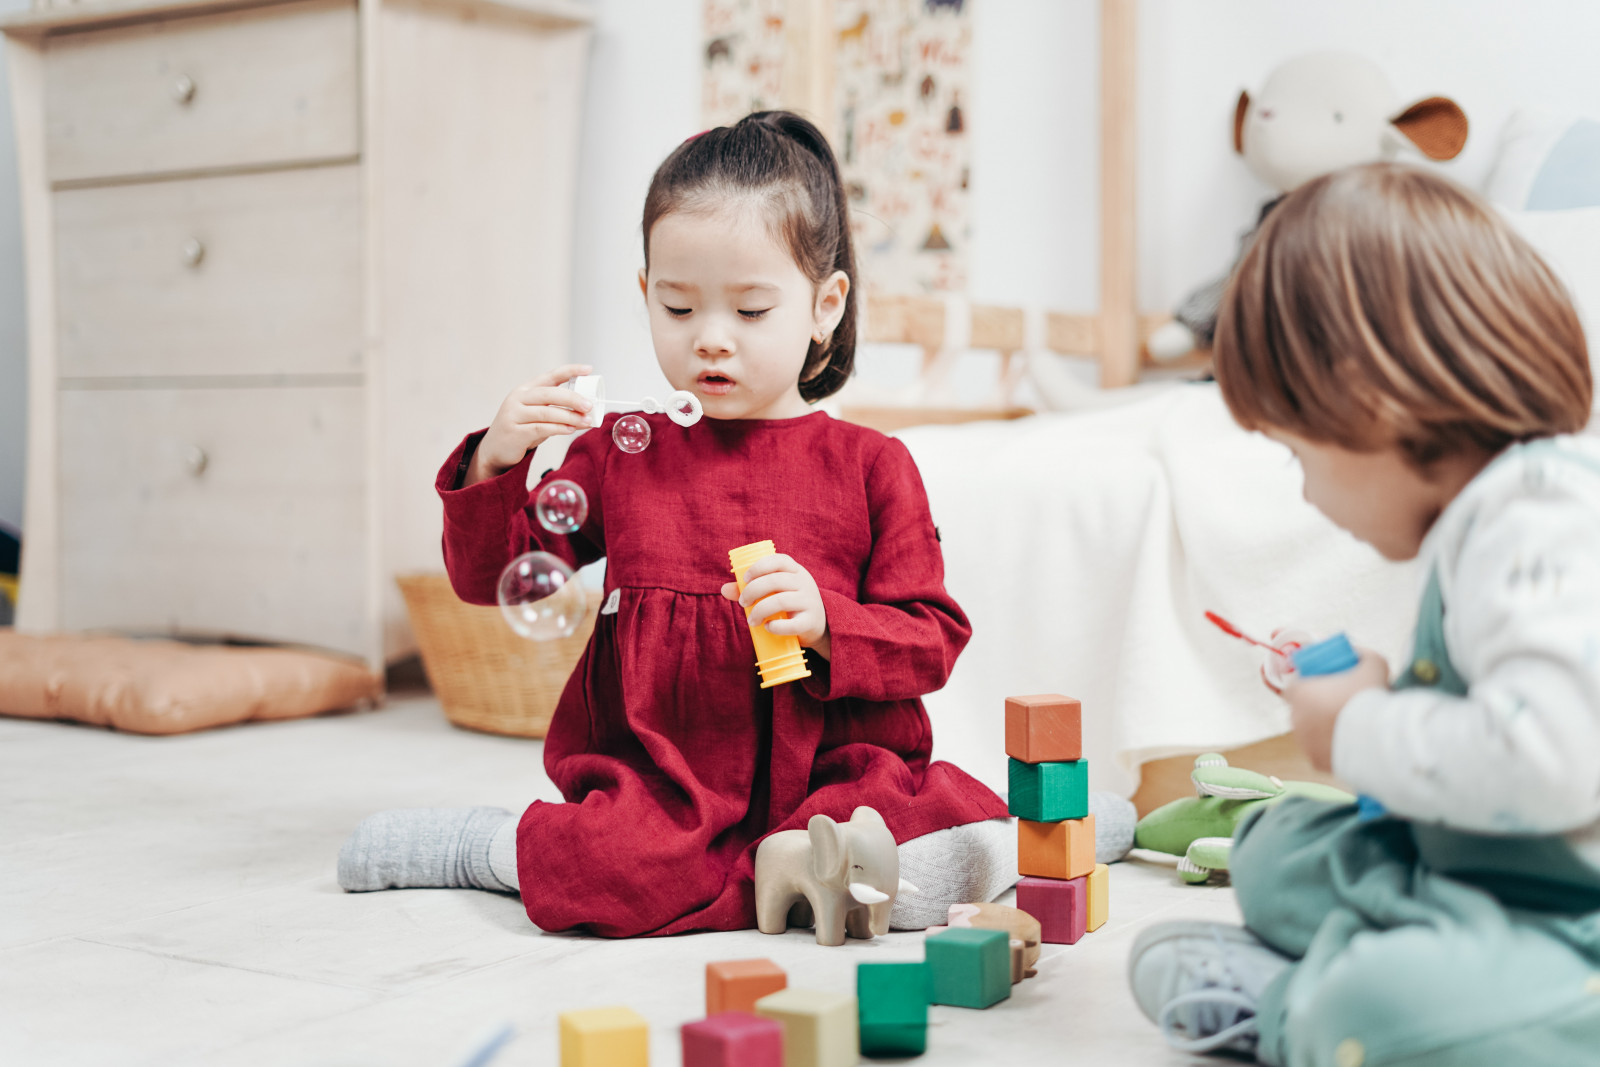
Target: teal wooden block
[(1049, 792), (893, 1001), (970, 968)]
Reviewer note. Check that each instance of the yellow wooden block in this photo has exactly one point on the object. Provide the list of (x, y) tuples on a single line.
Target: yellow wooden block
[(819, 1029), (1063, 850), (1099, 896), (604, 1037)]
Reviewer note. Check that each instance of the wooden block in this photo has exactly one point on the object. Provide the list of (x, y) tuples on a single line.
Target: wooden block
[(1044, 728), (970, 968), (1049, 792), (1062, 907), (892, 1000), (604, 1037), (1055, 849), (733, 1039), (1022, 928), (819, 1029), (736, 985), (1099, 897)]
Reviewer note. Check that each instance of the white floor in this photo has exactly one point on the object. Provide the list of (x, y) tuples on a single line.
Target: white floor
[(171, 901)]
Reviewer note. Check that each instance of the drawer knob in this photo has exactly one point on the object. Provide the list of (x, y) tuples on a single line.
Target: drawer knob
[(196, 460), (193, 252), (183, 89)]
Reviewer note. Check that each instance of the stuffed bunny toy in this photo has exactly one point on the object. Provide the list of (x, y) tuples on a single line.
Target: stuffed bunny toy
[(1314, 114)]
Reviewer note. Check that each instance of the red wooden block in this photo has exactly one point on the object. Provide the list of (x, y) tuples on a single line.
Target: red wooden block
[(1062, 908), (1047, 728), (733, 1039), (736, 985)]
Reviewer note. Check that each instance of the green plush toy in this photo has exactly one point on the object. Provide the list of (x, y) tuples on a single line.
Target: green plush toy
[(1199, 831)]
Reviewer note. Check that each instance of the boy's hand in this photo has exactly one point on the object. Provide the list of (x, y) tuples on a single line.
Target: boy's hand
[(531, 414), (778, 584), (1315, 703)]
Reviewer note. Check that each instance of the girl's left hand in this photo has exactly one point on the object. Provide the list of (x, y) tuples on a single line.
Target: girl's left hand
[(775, 584), (1315, 703)]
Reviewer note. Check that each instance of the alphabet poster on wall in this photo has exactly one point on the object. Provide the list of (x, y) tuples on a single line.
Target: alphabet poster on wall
[(900, 127)]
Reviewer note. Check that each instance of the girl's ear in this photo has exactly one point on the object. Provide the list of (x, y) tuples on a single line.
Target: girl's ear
[(830, 304), (644, 285)]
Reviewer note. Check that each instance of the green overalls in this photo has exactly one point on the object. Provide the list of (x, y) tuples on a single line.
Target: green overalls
[(1417, 944)]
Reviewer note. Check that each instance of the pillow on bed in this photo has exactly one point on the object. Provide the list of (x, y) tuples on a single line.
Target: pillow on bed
[(166, 687), (1546, 163)]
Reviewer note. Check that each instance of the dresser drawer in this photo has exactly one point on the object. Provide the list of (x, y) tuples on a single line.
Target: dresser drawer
[(267, 85), (242, 274), (216, 511)]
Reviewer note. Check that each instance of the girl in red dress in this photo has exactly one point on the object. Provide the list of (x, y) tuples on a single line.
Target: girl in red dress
[(673, 762)]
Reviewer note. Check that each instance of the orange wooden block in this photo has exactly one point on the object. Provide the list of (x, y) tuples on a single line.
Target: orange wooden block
[(736, 985), (1047, 728), (1056, 849)]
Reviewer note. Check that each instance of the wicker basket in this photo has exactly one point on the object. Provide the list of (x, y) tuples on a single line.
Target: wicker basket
[(485, 676)]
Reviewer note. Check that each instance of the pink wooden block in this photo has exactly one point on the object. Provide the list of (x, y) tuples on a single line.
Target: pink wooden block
[(1062, 908), (733, 1039)]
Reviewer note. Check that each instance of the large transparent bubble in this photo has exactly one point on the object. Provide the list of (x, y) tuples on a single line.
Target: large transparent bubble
[(540, 598), (631, 433), (561, 506)]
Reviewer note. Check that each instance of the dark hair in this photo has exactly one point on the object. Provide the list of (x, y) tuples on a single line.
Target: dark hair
[(1384, 306), (779, 157)]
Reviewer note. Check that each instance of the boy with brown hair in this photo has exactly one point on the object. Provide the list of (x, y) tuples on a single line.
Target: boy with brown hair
[(1427, 370)]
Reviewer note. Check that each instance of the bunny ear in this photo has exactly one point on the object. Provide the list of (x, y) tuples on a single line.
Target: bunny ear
[(1436, 125), (1240, 110)]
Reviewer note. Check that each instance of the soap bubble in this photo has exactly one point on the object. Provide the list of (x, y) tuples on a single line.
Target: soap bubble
[(540, 598), (561, 506), (683, 408), (631, 433)]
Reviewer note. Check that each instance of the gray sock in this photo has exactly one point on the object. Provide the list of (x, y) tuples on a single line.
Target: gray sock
[(1114, 819), (416, 848), (962, 865)]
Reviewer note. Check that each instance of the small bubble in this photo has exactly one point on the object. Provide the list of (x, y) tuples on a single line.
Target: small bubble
[(539, 598), (561, 506), (631, 433)]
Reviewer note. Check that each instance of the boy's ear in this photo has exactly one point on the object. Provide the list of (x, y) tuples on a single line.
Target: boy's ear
[(832, 297), (644, 284)]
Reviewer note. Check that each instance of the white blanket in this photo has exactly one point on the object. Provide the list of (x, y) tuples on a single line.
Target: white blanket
[(1085, 549)]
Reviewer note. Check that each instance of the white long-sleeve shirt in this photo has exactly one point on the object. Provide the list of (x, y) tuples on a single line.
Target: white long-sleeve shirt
[(1518, 558)]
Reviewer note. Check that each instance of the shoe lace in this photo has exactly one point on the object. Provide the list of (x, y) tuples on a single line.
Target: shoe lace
[(1221, 1014)]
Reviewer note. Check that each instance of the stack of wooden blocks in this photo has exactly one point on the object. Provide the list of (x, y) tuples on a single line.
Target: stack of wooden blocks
[(1062, 886)]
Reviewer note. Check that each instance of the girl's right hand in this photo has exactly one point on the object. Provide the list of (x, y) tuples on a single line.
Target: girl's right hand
[(531, 414)]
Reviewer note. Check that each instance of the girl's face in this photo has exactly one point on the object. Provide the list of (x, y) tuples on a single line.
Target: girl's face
[(732, 315), (1378, 496)]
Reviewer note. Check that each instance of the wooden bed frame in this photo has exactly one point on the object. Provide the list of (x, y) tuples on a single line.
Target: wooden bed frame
[(1114, 335)]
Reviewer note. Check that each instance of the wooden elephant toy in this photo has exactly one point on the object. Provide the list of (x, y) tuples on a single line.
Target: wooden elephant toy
[(840, 877)]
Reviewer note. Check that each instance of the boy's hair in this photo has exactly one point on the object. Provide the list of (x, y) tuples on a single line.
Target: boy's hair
[(1384, 306), (783, 160)]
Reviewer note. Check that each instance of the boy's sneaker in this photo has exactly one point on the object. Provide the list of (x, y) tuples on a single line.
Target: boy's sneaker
[(1200, 982)]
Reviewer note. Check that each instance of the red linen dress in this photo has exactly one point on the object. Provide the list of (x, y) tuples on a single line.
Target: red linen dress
[(673, 761)]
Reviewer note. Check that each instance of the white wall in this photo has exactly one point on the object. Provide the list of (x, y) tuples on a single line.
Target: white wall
[(643, 98), (13, 322)]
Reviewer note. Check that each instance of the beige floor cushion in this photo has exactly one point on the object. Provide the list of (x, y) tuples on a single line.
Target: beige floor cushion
[(166, 687)]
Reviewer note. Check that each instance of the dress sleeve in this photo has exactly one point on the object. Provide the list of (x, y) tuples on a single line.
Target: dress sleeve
[(1516, 755), (489, 524), (899, 637)]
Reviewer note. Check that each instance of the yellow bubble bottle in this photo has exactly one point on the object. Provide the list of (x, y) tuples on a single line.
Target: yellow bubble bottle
[(778, 657)]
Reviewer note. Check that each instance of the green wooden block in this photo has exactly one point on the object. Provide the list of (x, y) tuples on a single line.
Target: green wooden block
[(970, 968), (1049, 792), (893, 1001)]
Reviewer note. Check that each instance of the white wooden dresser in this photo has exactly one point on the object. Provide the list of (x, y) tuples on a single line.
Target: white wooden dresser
[(280, 257)]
